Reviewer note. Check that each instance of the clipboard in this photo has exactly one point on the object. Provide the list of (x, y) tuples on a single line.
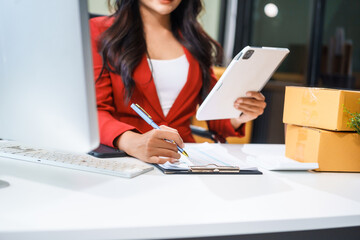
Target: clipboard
[(209, 169)]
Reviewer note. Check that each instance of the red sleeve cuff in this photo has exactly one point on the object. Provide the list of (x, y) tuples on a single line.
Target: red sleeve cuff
[(111, 128), (224, 129)]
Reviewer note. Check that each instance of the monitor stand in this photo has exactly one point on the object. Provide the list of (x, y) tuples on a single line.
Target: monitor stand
[(3, 184)]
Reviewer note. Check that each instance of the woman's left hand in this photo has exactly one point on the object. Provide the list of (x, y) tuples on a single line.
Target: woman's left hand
[(252, 106)]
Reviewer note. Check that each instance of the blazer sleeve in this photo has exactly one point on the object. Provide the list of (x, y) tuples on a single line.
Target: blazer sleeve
[(223, 127), (110, 128)]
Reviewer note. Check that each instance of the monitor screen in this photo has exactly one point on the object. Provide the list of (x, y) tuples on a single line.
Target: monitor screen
[(47, 96)]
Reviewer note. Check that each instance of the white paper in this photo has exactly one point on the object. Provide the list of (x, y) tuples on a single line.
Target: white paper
[(205, 154), (271, 162)]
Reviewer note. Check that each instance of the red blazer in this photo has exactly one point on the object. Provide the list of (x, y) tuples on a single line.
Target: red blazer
[(115, 117)]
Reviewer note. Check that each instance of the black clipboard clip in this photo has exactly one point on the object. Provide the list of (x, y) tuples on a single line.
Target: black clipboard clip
[(213, 168)]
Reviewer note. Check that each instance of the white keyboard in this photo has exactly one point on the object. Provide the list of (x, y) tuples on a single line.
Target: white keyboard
[(116, 166)]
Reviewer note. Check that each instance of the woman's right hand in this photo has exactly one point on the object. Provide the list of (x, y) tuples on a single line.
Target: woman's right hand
[(153, 146)]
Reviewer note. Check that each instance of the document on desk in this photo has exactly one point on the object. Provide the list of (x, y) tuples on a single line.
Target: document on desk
[(209, 158), (271, 157), (281, 163)]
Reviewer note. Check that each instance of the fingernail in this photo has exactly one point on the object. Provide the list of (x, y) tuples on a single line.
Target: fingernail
[(248, 94), (174, 160)]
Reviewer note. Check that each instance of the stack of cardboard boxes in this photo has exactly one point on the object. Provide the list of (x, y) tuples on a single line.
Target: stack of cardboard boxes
[(317, 129)]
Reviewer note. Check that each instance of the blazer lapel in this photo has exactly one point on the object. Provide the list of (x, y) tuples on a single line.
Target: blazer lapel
[(187, 96), (144, 81), (190, 92)]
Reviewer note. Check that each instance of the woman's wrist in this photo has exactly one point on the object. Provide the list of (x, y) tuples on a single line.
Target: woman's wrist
[(236, 123), (124, 141)]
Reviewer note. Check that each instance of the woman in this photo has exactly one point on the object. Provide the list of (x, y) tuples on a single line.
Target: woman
[(156, 54)]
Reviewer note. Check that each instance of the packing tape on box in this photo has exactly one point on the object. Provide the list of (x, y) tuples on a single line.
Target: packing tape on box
[(310, 99), (302, 137)]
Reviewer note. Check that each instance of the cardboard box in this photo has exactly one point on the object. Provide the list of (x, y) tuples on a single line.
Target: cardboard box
[(333, 151), (320, 107)]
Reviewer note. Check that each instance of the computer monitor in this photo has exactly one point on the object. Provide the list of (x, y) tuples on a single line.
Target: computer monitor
[(47, 96)]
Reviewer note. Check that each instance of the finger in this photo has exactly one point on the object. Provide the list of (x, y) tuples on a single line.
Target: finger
[(248, 116), (159, 160), (256, 95), (174, 160), (165, 153), (250, 109), (164, 127), (162, 143), (170, 135), (250, 101)]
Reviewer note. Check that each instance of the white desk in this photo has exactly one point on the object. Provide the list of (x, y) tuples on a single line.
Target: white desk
[(44, 202)]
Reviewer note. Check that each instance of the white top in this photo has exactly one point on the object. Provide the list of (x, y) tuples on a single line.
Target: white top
[(45, 202), (170, 77)]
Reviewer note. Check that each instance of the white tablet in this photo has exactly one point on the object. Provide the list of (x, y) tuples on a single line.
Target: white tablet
[(248, 71)]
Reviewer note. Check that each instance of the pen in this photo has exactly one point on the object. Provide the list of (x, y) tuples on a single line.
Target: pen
[(144, 115)]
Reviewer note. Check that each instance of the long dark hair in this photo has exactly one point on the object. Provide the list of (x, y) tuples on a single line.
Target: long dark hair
[(123, 45)]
